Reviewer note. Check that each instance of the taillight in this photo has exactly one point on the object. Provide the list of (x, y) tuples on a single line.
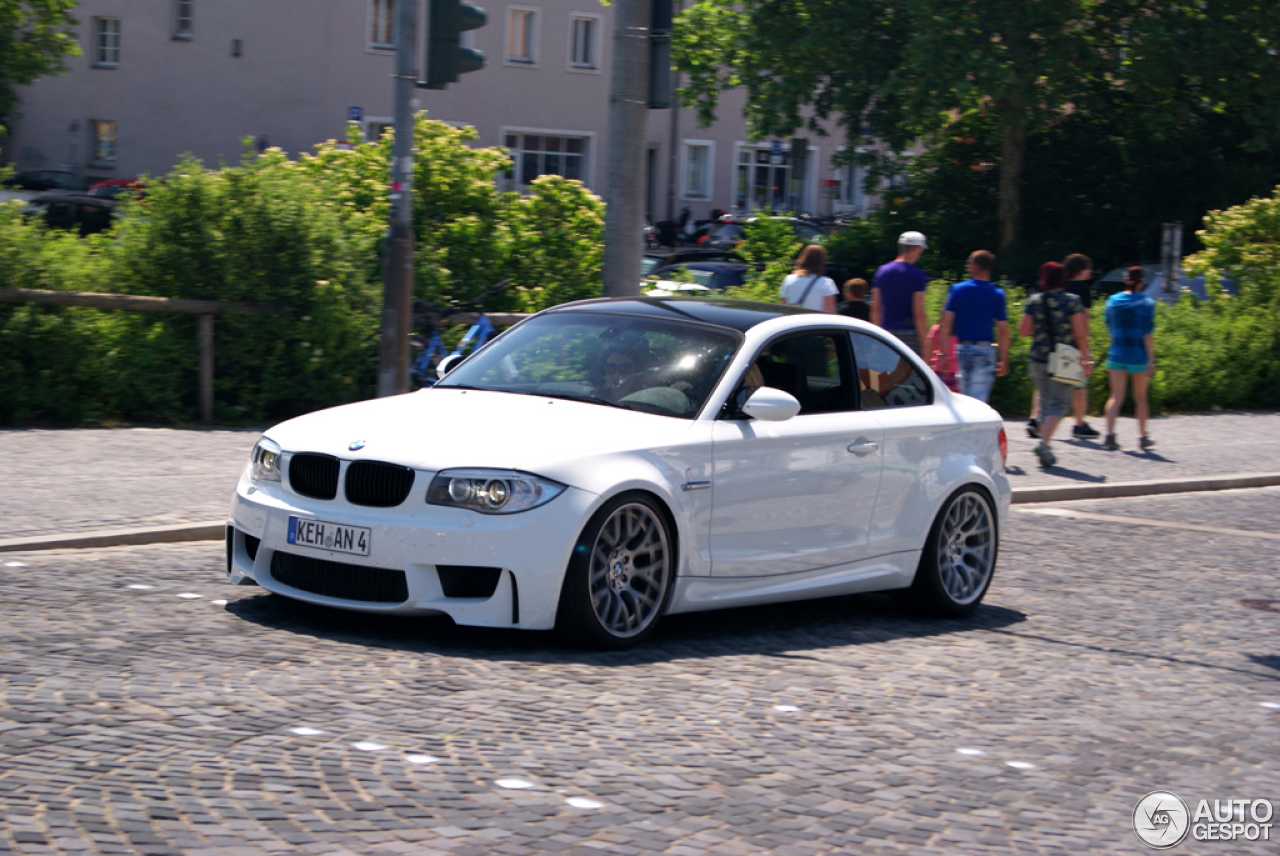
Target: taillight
[(1004, 448)]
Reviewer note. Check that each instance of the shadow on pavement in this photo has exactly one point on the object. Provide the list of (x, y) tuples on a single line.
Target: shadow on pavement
[(782, 630), (1075, 475)]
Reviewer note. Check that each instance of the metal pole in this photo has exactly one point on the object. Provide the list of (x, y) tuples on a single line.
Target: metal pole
[(628, 113), (397, 270)]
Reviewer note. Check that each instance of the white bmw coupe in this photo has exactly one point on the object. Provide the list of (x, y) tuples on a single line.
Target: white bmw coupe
[(605, 463)]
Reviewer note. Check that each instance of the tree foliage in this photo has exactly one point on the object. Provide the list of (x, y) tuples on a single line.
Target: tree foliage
[(35, 39), (906, 71)]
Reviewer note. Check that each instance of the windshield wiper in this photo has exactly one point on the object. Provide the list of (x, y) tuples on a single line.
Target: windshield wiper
[(590, 399)]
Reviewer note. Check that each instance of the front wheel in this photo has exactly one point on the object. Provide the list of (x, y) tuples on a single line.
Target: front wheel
[(620, 577), (959, 556)]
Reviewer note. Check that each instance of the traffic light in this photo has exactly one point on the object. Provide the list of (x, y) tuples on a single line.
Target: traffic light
[(446, 58)]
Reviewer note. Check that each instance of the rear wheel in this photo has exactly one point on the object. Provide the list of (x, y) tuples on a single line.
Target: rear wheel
[(959, 556), (620, 577)]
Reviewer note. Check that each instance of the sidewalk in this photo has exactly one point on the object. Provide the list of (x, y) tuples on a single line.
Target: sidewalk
[(105, 487)]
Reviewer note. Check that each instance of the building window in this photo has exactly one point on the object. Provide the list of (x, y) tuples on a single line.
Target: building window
[(183, 10), (853, 196), (521, 35), (697, 162), (540, 154), (106, 52), (376, 129), (382, 24), (104, 141), (584, 41)]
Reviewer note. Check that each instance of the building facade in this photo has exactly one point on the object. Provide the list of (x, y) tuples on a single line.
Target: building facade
[(159, 78)]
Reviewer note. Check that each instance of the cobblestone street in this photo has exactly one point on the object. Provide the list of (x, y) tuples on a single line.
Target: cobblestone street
[(1118, 652)]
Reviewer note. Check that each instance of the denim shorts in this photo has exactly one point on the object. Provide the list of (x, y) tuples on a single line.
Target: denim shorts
[(1131, 368), (1055, 396)]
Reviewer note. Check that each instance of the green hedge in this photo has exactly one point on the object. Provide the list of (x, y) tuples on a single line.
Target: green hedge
[(304, 236)]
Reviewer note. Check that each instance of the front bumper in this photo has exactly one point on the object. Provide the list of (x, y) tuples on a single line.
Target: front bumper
[(481, 570)]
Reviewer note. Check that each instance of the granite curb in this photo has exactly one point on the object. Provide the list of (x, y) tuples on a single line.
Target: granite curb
[(1021, 496)]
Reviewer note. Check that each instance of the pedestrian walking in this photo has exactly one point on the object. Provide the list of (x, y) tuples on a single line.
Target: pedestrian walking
[(808, 285), (1131, 321), (1053, 316), (975, 310), (1079, 275), (897, 293), (855, 300)]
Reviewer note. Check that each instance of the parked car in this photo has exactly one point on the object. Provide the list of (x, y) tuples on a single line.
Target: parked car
[(666, 256), (78, 211), (730, 232), (716, 276), (1113, 280), (47, 179), (607, 462)]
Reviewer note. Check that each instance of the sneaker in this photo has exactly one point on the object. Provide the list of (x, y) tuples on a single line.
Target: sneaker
[(1146, 442), (1033, 429), (1084, 430), (1046, 456), (1110, 443)]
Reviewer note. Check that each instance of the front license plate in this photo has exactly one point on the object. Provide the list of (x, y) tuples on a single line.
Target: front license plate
[(329, 536)]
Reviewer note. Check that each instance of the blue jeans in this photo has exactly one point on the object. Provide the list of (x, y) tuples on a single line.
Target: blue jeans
[(977, 365)]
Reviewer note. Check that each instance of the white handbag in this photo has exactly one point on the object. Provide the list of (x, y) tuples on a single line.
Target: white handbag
[(1064, 359)]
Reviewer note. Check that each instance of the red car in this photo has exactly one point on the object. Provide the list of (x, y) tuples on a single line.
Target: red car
[(113, 187)]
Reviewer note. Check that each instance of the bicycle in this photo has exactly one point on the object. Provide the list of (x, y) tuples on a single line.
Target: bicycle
[(427, 318)]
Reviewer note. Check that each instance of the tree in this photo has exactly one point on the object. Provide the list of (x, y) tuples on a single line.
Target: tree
[(910, 70), (35, 38)]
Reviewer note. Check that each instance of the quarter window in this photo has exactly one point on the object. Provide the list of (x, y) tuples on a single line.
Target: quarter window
[(583, 42), (104, 141), (382, 25), (521, 32), (183, 12), (106, 42), (543, 154), (886, 378)]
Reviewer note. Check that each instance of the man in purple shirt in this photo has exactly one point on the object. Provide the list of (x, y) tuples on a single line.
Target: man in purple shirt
[(897, 293)]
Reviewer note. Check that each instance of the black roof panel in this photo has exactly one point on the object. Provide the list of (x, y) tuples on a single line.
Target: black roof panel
[(739, 315)]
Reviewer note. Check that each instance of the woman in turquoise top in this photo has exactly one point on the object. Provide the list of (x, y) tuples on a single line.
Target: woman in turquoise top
[(1131, 321)]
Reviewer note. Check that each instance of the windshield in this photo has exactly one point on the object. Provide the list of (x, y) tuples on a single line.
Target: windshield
[(633, 362)]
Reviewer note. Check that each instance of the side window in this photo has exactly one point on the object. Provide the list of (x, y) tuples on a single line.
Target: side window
[(886, 378), (811, 367)]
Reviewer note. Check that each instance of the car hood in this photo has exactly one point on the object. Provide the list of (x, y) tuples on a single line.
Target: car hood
[(436, 429)]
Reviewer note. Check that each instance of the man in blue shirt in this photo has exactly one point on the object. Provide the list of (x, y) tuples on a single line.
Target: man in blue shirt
[(975, 310), (897, 293)]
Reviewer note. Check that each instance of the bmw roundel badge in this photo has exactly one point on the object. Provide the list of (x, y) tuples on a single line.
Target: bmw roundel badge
[(356, 445)]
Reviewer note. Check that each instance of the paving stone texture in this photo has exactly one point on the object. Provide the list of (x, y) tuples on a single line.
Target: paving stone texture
[(1109, 660)]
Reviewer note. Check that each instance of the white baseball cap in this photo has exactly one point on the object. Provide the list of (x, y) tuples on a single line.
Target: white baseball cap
[(912, 239)]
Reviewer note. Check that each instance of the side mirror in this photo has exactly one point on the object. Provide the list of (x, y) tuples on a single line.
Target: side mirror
[(448, 364), (771, 405)]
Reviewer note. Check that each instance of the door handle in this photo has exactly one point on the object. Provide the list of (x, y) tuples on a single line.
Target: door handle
[(863, 446)]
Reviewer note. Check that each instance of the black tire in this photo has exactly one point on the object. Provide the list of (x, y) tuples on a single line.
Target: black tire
[(621, 575), (959, 557)]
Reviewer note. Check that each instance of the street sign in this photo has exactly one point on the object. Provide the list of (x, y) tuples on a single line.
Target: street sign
[(775, 152), (355, 114)]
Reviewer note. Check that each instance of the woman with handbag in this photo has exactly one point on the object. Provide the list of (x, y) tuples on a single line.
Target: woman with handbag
[(1059, 356)]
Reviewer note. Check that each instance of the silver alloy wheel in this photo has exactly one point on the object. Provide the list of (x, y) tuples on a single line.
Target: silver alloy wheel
[(966, 547), (630, 570)]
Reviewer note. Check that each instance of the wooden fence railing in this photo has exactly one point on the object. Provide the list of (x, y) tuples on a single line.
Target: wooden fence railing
[(204, 310)]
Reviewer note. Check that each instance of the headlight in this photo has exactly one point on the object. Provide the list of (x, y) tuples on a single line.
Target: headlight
[(492, 491), (264, 463)]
